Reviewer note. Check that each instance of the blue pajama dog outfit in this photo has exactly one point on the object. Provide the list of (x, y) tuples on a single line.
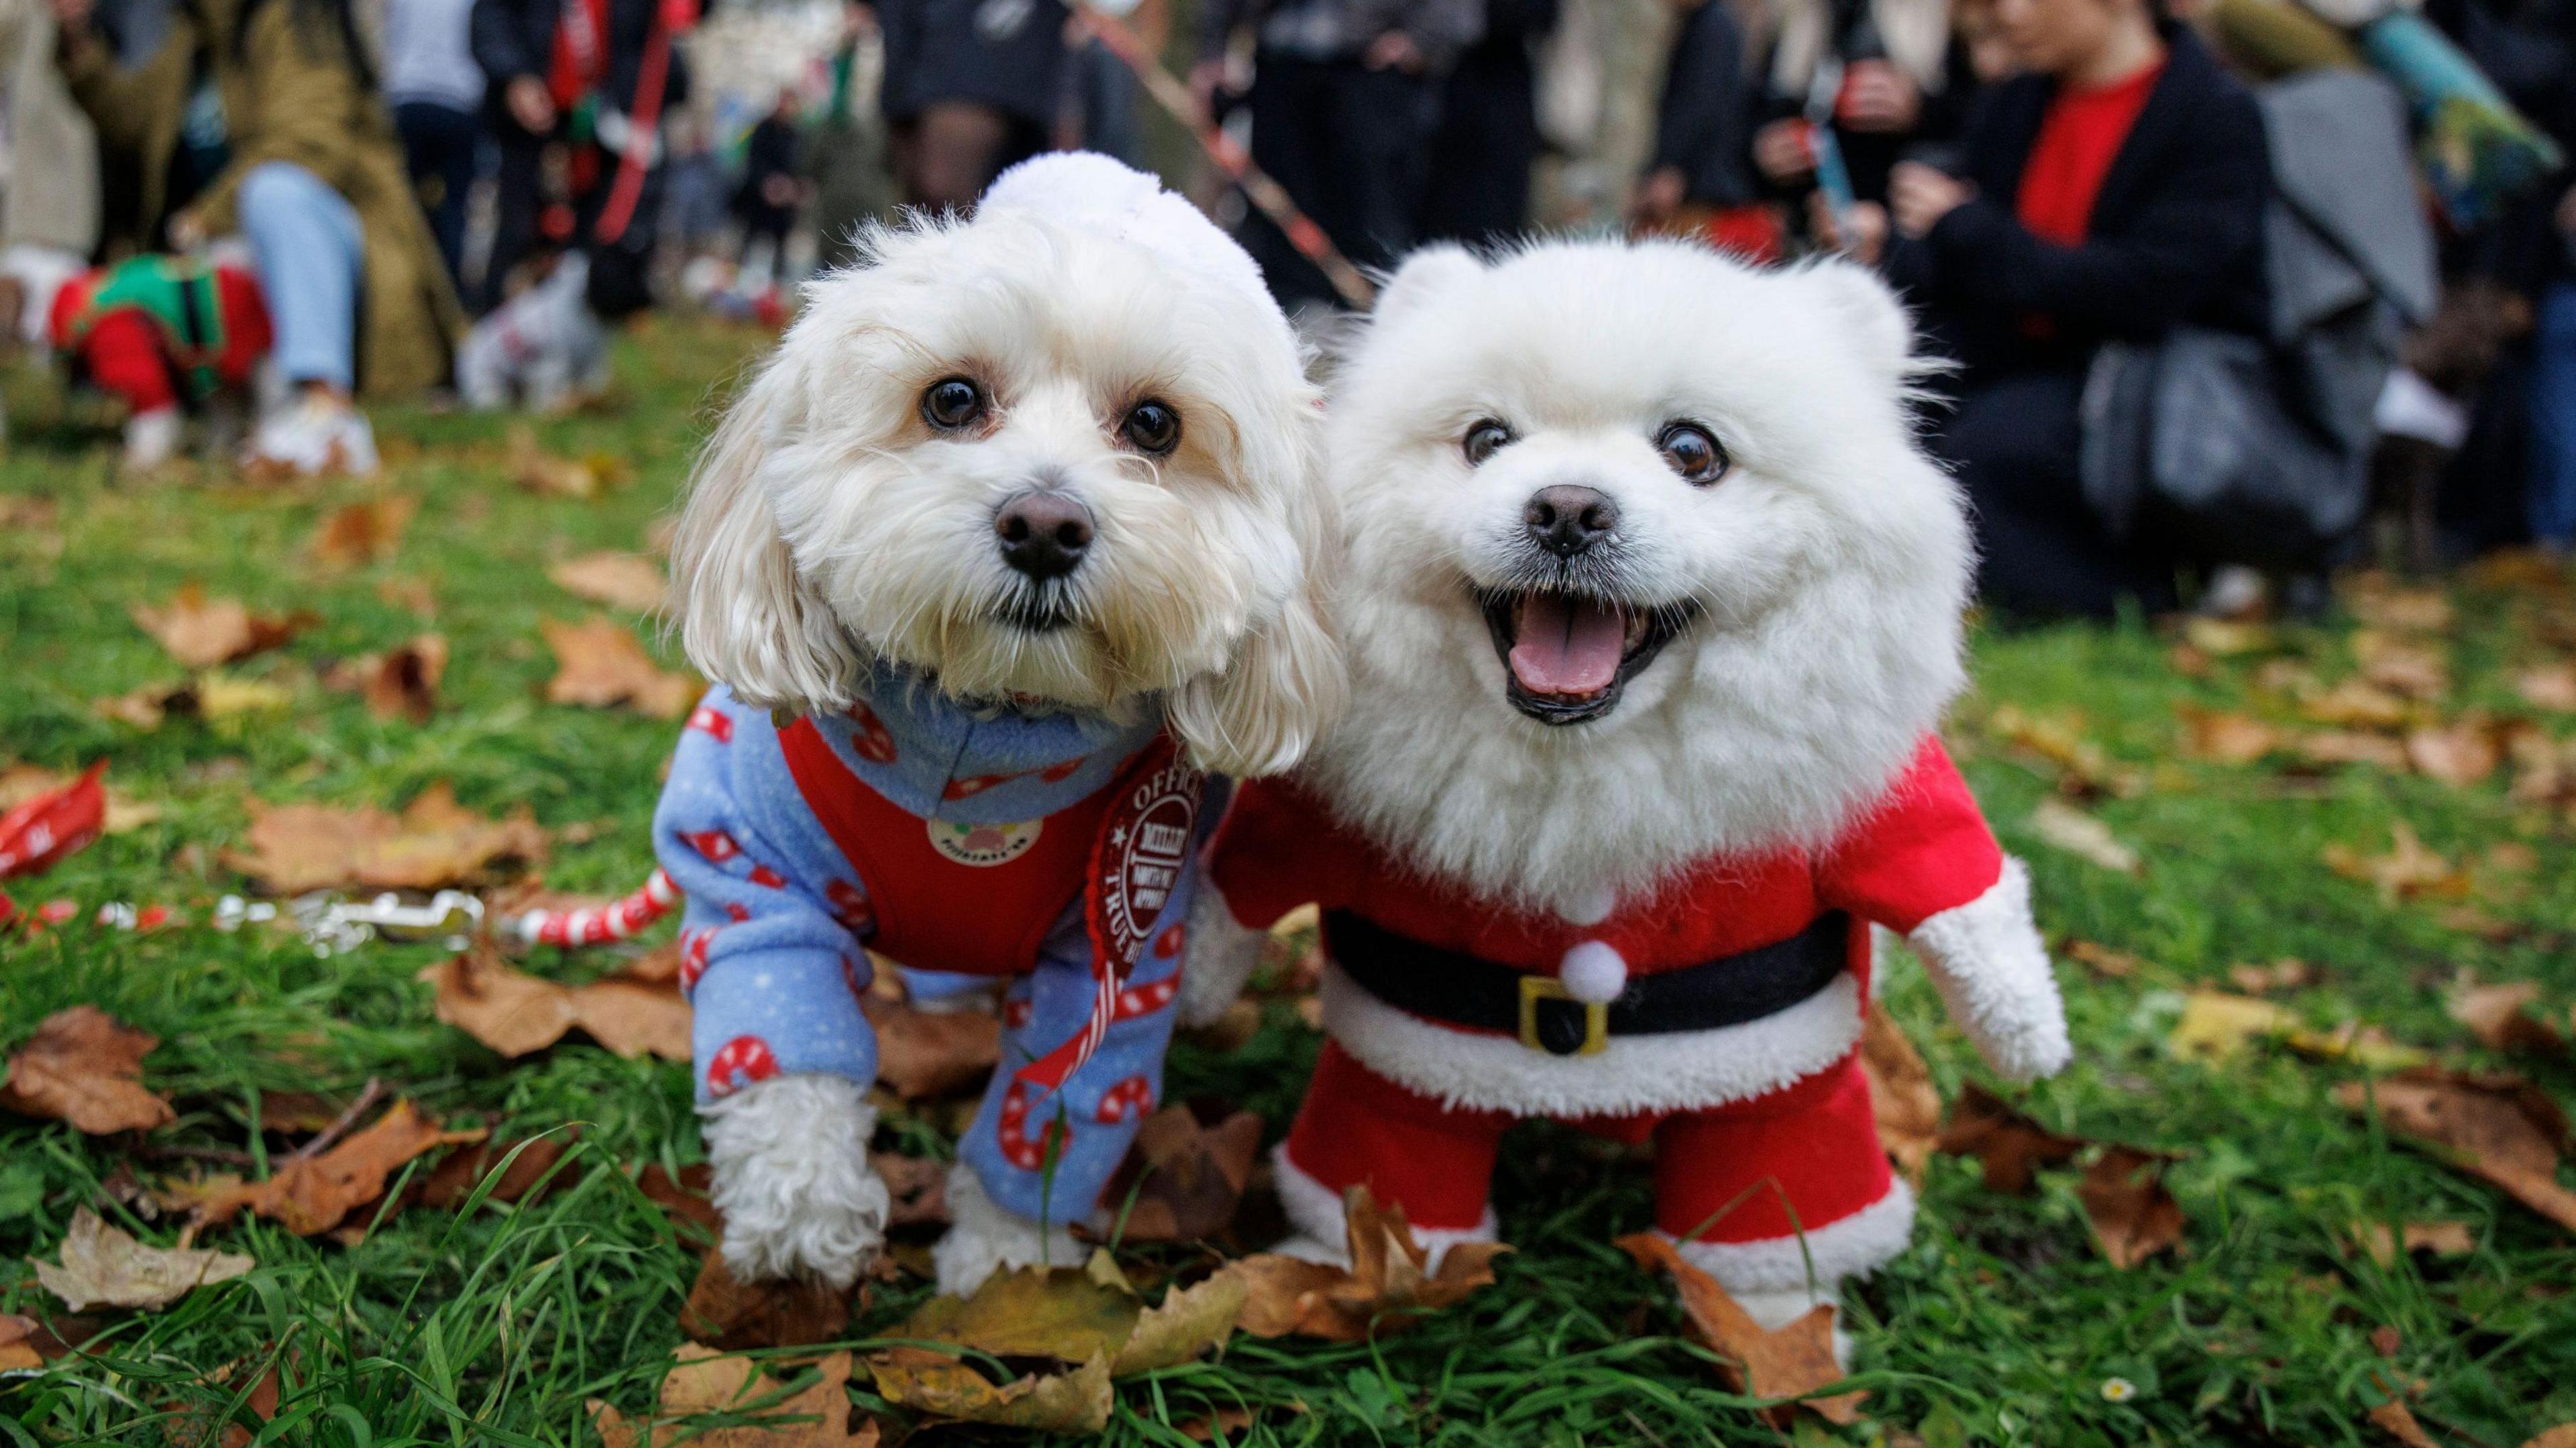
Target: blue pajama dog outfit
[(980, 841)]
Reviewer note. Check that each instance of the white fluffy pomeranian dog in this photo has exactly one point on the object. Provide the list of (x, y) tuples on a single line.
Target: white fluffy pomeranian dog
[(1653, 606), (1018, 529)]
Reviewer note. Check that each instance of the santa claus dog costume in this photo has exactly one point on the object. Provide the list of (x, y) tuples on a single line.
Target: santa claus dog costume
[(1653, 604), (1016, 532)]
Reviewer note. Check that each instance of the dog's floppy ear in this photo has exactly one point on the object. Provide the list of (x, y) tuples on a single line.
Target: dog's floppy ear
[(1866, 313), (1287, 683), (746, 619), (1425, 274)]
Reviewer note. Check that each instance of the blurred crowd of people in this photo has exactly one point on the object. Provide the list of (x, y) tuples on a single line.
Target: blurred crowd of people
[(2222, 292)]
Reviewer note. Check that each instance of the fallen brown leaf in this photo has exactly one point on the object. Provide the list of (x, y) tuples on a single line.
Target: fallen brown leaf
[(2132, 1215), (1795, 1362), (599, 665), (2562, 1436), (2081, 835), (400, 683), (939, 1384), (2398, 1421), (2009, 1145), (2357, 704), (1901, 1092), (311, 1194), (621, 580), (684, 1197), (1186, 1179), (2335, 746), (86, 1067), (2441, 1239), (2102, 960), (586, 478), (736, 1316), (103, 1267), (923, 1055), (2500, 1016), (1224, 1421), (515, 1013), (1387, 1281), (2409, 869), (356, 534), (2417, 670), (2458, 755), (2551, 687), (2496, 1127), (434, 842), (2283, 974), (199, 631), (917, 1185), (702, 1382), (525, 1177), (2381, 602), (2223, 738)]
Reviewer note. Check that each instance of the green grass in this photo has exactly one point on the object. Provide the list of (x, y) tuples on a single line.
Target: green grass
[(1998, 1326)]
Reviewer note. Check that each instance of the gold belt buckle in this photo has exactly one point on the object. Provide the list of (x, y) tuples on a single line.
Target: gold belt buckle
[(1596, 1015)]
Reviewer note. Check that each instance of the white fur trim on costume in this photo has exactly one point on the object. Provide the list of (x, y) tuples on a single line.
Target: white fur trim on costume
[(1593, 973), (1315, 1211), (1220, 954), (1853, 1247), (1986, 959), (1677, 1072), (985, 1237), (790, 1159)]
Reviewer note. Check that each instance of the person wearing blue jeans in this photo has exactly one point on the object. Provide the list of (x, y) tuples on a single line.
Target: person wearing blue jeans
[(306, 245), (2551, 499)]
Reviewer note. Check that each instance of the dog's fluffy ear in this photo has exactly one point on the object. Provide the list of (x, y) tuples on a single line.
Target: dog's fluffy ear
[(1424, 275), (746, 619), (1288, 682), (1866, 313)]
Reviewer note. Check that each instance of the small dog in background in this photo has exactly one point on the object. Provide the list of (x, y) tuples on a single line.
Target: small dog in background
[(544, 349), (167, 335), (1016, 531)]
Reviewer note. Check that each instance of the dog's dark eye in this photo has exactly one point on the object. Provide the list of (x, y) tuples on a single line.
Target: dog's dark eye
[(1693, 453), (1483, 441), (1152, 427), (952, 403)]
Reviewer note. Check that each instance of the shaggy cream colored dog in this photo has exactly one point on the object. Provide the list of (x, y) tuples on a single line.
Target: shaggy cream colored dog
[(1653, 607)]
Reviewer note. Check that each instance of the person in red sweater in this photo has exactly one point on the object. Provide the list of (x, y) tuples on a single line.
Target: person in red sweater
[(2113, 191), (158, 332)]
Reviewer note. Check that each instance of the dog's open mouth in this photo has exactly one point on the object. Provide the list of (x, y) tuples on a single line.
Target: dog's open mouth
[(1567, 656), (1037, 612)]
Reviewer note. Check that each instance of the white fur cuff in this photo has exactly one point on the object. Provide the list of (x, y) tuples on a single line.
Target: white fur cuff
[(1853, 1247), (1221, 956), (1986, 959), (1315, 1210), (790, 1158)]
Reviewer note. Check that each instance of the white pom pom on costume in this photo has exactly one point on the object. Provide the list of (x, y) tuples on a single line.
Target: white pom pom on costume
[(1593, 973), (1084, 188)]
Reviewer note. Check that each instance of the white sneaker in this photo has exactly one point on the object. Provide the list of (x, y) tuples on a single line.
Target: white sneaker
[(310, 438), (152, 438)]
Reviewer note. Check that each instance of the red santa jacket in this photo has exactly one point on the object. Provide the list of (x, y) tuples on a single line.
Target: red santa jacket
[(1922, 849)]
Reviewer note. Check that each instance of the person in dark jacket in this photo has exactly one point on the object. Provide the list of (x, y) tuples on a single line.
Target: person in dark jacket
[(971, 87), (772, 185), (2116, 190), (577, 87), (1478, 182), (1700, 178)]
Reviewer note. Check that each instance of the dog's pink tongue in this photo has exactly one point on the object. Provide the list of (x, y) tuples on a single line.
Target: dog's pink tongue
[(1567, 646)]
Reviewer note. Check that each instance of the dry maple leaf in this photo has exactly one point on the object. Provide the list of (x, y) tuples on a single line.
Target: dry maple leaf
[(515, 1013), (923, 1055), (2216, 1027), (2441, 1239), (2221, 738), (356, 534), (599, 665), (2416, 670), (937, 1383), (2562, 1436), (2398, 1421), (18, 1351), (1796, 1362), (2132, 1215), (1186, 1179), (526, 1172), (2551, 687), (2500, 1017), (2081, 835), (2410, 867), (586, 478), (2102, 960), (199, 631), (621, 580), (86, 1067), (735, 1316), (684, 1196), (917, 1185), (400, 683), (1901, 1092), (2458, 755), (1388, 1280), (2357, 704), (103, 1267), (2497, 1127), (312, 1194), (434, 843), (703, 1382), (2009, 1145)]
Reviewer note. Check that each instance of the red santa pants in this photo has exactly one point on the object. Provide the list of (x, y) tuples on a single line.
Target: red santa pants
[(1793, 1160)]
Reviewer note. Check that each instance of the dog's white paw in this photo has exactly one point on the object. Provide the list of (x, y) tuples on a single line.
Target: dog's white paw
[(985, 1237), (1772, 1311), (790, 1157)]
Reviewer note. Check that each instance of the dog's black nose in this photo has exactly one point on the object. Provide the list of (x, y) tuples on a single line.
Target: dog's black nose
[(1565, 520), (1043, 534)]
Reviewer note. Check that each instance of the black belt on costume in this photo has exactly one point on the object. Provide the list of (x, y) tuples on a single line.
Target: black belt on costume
[(1463, 990)]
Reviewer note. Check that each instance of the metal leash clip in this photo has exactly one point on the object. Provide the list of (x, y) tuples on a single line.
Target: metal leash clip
[(332, 925)]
